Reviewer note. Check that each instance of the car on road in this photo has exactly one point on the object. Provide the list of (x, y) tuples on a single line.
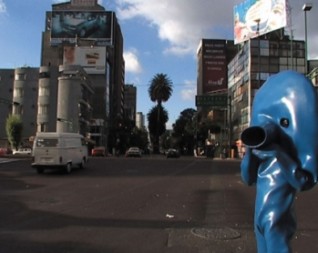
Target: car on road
[(22, 151), (56, 149), (172, 153), (133, 152), (98, 151)]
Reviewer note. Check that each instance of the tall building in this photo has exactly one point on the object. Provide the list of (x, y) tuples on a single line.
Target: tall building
[(213, 56), (140, 120), (255, 62), (130, 102), (25, 93), (79, 86), (82, 32)]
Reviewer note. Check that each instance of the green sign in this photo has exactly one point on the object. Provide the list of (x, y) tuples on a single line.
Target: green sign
[(212, 100)]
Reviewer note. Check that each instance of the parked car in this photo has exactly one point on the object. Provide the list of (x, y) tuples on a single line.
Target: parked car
[(133, 152), (98, 151), (5, 151), (172, 153), (22, 151)]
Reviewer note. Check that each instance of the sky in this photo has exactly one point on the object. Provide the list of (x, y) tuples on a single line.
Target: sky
[(159, 37)]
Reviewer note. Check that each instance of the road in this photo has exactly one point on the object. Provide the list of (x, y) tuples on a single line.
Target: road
[(120, 205)]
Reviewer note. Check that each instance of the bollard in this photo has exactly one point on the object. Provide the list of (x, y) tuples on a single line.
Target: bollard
[(281, 155)]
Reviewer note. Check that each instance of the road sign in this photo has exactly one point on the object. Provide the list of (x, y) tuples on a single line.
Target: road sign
[(211, 100)]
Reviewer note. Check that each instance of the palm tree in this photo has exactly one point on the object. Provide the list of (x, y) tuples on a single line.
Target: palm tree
[(160, 90)]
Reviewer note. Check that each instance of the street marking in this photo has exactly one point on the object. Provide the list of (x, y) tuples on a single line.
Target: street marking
[(7, 160)]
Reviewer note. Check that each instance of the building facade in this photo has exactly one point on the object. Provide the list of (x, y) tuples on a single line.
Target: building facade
[(24, 97), (130, 102), (257, 60), (140, 120), (213, 57), (83, 33), (81, 78)]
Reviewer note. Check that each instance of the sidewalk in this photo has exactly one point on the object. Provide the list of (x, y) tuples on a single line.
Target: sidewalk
[(230, 214)]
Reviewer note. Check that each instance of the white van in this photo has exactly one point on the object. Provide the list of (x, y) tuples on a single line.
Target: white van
[(51, 149)]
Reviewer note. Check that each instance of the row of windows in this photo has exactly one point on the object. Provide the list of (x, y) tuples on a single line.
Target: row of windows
[(278, 52), (295, 45)]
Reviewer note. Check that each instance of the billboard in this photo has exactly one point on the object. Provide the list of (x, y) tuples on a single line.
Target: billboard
[(69, 25), (257, 17), (92, 59), (214, 66)]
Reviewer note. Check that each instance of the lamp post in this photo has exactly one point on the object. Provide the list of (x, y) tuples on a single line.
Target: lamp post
[(259, 53), (306, 7)]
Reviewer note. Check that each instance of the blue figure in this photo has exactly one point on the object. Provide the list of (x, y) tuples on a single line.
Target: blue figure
[(281, 155)]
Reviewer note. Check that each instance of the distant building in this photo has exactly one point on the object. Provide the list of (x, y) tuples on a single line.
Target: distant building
[(213, 57), (130, 102), (140, 120)]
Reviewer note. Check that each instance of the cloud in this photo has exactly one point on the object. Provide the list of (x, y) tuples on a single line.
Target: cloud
[(132, 64), (3, 7), (183, 23), (189, 92)]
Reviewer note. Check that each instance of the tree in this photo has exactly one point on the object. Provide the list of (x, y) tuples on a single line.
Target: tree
[(184, 130), (160, 90), (139, 138), (157, 128), (14, 128)]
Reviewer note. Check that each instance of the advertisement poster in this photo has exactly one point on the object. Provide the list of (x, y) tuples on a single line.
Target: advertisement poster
[(68, 25), (214, 66), (253, 18), (93, 60)]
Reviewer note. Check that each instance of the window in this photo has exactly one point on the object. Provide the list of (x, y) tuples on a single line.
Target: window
[(43, 109), (19, 77), (18, 92), (264, 52), (44, 91), (41, 142)]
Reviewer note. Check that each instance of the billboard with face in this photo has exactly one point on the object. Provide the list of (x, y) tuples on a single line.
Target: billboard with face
[(257, 17), (68, 25), (92, 59)]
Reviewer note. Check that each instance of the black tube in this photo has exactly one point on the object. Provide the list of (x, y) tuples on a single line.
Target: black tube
[(259, 136)]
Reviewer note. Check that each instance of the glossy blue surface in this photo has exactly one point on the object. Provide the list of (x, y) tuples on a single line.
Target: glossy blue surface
[(281, 155)]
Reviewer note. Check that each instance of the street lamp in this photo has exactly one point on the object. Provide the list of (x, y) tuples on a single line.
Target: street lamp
[(258, 20), (306, 7)]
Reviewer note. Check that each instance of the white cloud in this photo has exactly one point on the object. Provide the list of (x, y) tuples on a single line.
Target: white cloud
[(189, 92), (132, 62), (183, 23), (3, 7)]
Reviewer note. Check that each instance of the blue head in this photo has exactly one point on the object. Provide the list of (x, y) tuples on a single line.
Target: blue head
[(288, 103)]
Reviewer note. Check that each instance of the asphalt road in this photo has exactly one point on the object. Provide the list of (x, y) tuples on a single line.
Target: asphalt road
[(119, 205)]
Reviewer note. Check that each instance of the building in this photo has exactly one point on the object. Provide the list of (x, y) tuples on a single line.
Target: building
[(81, 78), (24, 97), (213, 57), (96, 44), (140, 120), (130, 102), (255, 62)]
